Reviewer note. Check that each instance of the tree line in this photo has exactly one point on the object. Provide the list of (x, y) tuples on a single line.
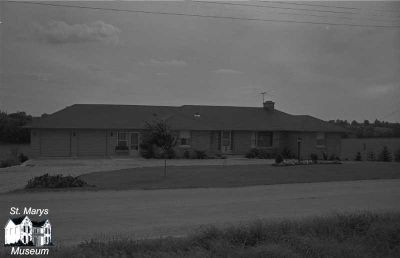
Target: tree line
[(11, 127), (367, 129)]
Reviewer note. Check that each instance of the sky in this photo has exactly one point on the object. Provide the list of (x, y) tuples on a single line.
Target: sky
[(52, 57)]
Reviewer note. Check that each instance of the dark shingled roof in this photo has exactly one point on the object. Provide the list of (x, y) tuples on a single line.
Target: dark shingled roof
[(98, 116), (18, 220), (38, 223)]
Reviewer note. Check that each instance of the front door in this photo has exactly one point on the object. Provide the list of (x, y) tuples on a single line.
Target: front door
[(134, 144), (226, 141)]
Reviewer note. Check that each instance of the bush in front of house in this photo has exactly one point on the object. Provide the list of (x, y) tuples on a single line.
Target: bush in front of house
[(358, 156), (333, 157), (22, 157), (287, 154), (199, 154), (186, 154), (147, 150), (55, 181), (314, 157), (259, 153), (385, 155), (169, 154), (121, 148), (279, 159)]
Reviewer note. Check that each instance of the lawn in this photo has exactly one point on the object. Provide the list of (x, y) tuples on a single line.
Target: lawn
[(238, 175), (361, 234)]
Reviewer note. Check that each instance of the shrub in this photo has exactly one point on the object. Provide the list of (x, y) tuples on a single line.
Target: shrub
[(334, 157), (397, 155), (256, 153), (358, 156), (147, 151), (252, 153), (186, 154), (169, 154), (314, 157), (279, 159), (199, 154), (121, 148), (9, 162), (22, 158), (287, 154), (385, 155), (56, 181)]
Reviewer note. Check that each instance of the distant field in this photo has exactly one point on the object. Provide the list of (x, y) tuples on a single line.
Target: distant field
[(362, 234), (6, 149), (238, 175)]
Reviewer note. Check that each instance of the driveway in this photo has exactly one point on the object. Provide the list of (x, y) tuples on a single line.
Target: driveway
[(79, 216), (16, 177)]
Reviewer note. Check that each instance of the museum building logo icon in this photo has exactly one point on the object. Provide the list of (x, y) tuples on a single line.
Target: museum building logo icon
[(22, 231)]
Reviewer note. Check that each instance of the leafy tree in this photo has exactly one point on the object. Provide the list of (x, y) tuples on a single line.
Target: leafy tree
[(160, 135), (11, 127)]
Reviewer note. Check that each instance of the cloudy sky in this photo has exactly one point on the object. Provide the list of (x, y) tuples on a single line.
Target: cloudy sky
[(52, 57)]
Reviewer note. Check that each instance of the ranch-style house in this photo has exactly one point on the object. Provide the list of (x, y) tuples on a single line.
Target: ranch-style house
[(84, 130)]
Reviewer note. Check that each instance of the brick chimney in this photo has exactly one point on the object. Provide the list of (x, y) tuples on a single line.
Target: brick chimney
[(269, 105)]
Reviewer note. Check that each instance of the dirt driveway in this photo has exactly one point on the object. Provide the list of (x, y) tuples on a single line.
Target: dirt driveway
[(78, 216), (16, 177)]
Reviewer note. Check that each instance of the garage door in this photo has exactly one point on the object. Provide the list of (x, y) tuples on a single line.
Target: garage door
[(55, 143), (92, 143)]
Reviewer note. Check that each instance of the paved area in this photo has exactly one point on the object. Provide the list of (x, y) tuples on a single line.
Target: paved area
[(16, 177), (78, 216)]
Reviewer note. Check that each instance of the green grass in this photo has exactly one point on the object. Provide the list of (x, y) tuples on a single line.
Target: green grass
[(238, 175), (362, 234)]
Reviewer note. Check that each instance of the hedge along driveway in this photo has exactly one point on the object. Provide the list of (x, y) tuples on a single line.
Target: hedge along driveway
[(239, 175)]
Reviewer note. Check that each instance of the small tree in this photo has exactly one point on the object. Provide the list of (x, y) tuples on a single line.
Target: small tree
[(397, 155), (371, 156), (385, 155), (159, 133)]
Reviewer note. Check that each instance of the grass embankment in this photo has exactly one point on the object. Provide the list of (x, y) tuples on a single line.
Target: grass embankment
[(238, 175), (361, 234)]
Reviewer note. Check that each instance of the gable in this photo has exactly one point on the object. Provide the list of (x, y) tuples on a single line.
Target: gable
[(9, 224)]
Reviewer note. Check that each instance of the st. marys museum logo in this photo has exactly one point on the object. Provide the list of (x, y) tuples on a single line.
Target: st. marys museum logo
[(21, 232)]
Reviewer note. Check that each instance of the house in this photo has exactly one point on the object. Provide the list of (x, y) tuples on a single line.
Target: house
[(41, 233), (84, 130), (27, 231)]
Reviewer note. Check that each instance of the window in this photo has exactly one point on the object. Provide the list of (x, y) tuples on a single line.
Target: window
[(321, 139), (122, 139), (184, 138), (264, 139)]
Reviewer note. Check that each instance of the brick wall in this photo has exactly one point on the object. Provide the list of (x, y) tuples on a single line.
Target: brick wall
[(309, 144)]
